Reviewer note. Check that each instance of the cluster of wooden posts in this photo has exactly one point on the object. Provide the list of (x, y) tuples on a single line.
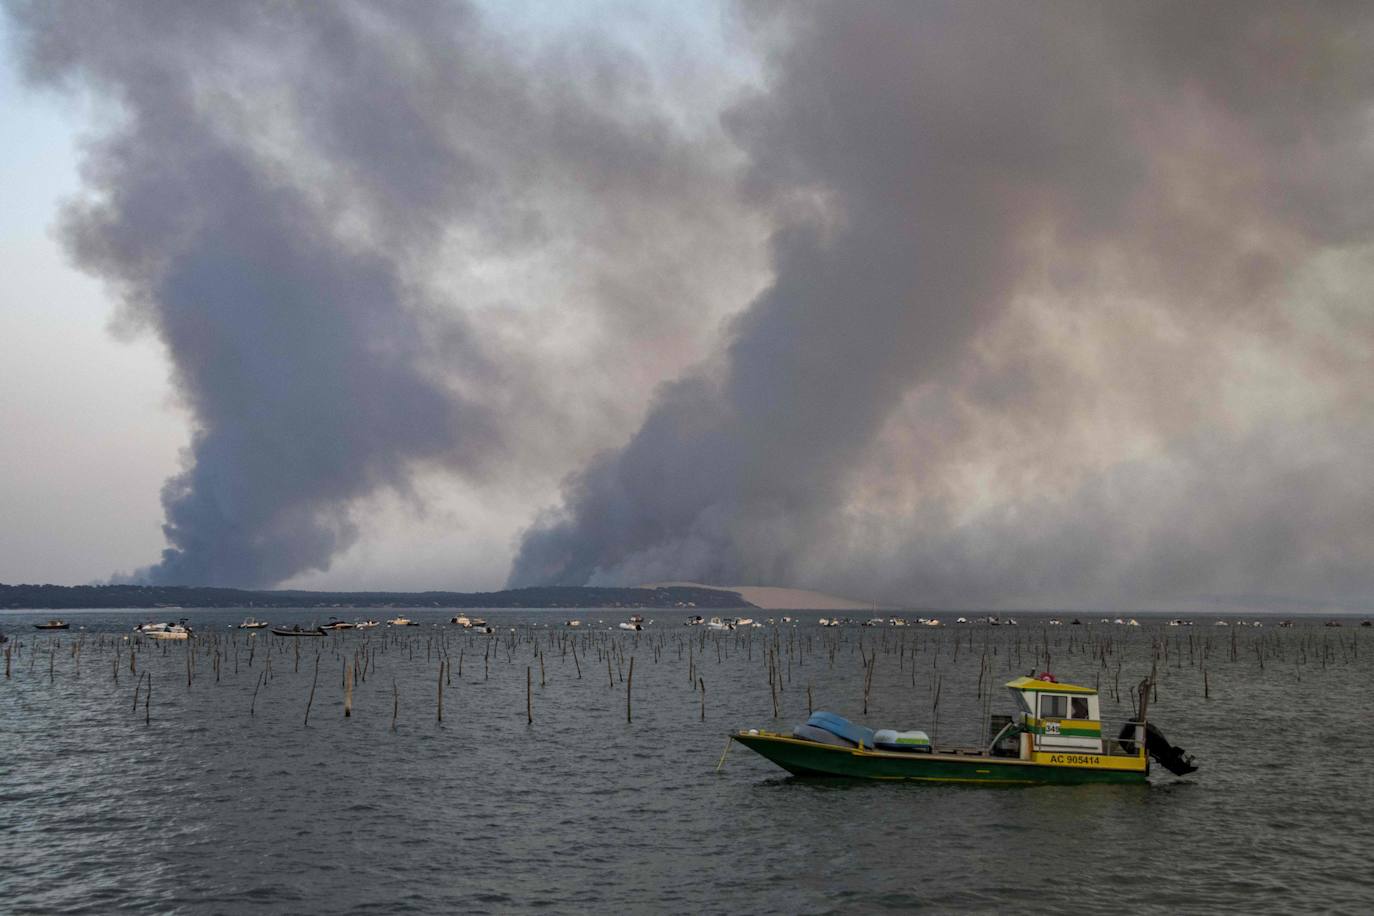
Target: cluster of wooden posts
[(1103, 649)]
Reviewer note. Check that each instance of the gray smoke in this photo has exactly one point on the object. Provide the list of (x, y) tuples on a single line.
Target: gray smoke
[(964, 303), (324, 212), (1066, 307)]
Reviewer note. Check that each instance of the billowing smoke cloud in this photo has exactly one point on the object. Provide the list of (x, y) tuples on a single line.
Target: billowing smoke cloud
[(962, 303), (1062, 310), (328, 212)]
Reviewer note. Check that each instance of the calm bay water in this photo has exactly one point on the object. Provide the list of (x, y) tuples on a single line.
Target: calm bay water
[(208, 809)]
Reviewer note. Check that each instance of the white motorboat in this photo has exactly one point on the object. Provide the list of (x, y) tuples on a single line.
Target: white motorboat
[(164, 630)]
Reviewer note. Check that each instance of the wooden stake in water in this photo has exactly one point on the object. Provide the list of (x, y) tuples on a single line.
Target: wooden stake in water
[(252, 707), (395, 703), (310, 702), (702, 684), (628, 684), (348, 692), (529, 699)]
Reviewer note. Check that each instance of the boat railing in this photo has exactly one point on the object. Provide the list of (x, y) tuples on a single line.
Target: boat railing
[(1120, 747)]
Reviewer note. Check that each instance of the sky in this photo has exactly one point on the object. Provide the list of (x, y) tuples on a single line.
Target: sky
[(934, 304)]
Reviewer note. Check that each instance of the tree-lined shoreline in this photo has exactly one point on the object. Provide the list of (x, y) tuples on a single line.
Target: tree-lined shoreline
[(75, 597)]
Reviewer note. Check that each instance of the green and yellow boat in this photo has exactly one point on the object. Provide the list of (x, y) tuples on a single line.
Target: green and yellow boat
[(1056, 737)]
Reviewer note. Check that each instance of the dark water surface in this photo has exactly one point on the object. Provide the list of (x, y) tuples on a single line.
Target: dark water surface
[(208, 809)]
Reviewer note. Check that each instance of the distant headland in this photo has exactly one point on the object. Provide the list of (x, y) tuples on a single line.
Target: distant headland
[(17, 597)]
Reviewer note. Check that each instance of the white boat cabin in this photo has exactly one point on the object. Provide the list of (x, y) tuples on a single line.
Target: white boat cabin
[(1057, 717)]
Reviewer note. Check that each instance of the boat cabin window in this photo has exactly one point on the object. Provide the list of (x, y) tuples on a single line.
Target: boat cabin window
[(1054, 707), (1078, 707)]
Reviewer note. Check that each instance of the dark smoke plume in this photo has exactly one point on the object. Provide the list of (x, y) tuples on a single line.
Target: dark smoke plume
[(286, 194), (1047, 315), (963, 303)]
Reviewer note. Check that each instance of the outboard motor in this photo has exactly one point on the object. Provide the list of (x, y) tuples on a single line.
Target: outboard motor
[(1171, 758)]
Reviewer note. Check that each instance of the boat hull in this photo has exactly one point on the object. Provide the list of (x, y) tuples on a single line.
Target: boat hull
[(809, 758)]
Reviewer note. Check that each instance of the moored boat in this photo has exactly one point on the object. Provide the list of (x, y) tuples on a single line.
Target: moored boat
[(53, 624), (1056, 738), (402, 622), (164, 630), (367, 624), (296, 631), (252, 623), (336, 624)]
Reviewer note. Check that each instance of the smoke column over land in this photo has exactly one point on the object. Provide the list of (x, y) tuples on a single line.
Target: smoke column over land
[(1064, 308), (927, 302), (287, 195)]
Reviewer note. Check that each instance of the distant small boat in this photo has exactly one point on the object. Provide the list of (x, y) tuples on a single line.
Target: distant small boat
[(296, 631), (252, 623), (367, 624), (636, 618), (630, 626), (335, 624), (53, 624), (402, 622), (572, 623)]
